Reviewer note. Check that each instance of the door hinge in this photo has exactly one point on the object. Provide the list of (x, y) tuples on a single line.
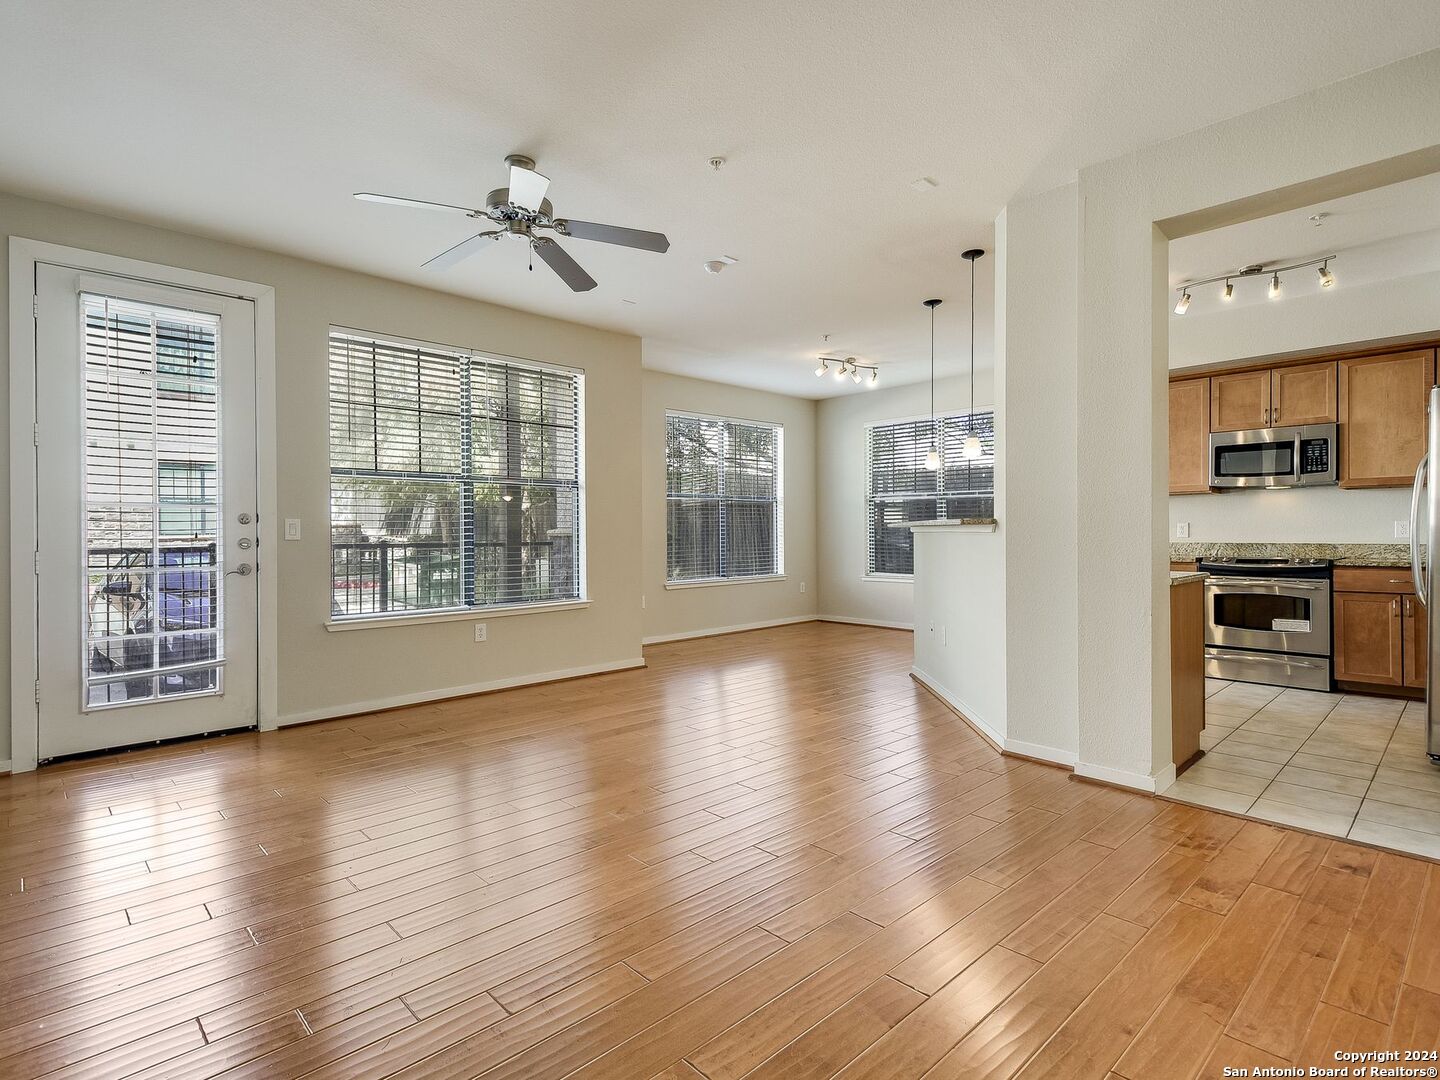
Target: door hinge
[(37, 691), (35, 435), (35, 305), (37, 562)]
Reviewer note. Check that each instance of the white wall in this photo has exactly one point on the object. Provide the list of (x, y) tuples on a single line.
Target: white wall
[(958, 652), (324, 673), (688, 611), (1335, 318), (845, 591), (1037, 361), (1375, 128)]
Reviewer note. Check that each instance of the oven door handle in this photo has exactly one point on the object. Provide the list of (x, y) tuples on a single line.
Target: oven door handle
[(1261, 659), (1288, 583)]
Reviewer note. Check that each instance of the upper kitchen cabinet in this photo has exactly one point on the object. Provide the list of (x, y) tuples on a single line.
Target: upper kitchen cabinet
[(1382, 417), (1240, 402), (1189, 436), (1303, 395)]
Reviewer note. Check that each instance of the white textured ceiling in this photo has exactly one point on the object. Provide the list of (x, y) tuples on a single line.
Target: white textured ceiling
[(255, 121)]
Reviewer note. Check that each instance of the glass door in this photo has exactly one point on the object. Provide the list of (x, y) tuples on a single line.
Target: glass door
[(147, 595)]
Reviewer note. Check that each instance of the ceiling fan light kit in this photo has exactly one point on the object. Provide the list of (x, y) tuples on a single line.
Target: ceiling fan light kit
[(518, 211)]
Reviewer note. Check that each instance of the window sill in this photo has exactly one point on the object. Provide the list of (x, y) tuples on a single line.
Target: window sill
[(904, 579), (705, 583), (378, 622)]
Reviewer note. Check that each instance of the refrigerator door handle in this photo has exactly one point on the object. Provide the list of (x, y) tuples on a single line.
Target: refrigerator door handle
[(1417, 569)]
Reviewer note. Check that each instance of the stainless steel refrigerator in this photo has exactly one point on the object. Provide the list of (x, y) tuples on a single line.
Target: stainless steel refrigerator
[(1424, 543)]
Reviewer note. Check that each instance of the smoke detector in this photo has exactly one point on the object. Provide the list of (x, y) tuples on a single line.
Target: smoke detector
[(714, 266)]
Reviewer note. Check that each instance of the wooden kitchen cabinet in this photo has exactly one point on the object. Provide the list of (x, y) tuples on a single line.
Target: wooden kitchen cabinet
[(1240, 402), (1190, 437), (1415, 623), (1303, 395), (1382, 417), (1369, 638)]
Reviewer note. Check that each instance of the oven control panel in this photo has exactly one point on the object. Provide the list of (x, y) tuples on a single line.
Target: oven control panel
[(1314, 456)]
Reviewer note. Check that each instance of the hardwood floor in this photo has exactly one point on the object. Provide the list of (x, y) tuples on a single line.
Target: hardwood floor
[(766, 855)]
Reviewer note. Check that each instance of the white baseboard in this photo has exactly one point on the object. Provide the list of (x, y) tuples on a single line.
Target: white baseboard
[(1044, 753), (354, 708), (969, 715), (865, 622), (714, 631), (1122, 778)]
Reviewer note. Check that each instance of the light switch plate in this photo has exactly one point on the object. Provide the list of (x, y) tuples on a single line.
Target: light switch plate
[(1402, 530), (1182, 530), (292, 528), (479, 631)]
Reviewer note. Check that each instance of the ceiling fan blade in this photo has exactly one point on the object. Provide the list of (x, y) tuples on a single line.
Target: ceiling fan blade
[(527, 187), (559, 260), (614, 234), (396, 200), (461, 251)]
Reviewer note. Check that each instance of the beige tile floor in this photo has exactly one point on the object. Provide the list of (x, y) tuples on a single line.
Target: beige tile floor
[(1339, 764)]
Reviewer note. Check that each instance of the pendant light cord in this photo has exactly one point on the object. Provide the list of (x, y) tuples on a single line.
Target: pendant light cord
[(932, 377)]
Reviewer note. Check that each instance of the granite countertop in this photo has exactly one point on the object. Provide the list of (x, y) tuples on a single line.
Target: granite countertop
[(1342, 554), (1181, 577)]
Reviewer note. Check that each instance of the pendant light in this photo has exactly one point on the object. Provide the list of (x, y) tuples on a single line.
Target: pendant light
[(972, 448), (932, 459)]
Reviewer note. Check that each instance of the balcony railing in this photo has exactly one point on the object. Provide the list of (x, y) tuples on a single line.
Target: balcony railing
[(373, 577)]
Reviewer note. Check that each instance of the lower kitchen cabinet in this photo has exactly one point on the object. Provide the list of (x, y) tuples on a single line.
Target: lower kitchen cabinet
[(1369, 638), (1415, 632)]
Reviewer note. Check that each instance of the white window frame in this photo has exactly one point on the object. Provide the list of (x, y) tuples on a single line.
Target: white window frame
[(867, 501), (778, 574), (384, 619)]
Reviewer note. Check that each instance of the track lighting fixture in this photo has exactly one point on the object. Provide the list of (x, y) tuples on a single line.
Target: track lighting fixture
[(1327, 279), (848, 366)]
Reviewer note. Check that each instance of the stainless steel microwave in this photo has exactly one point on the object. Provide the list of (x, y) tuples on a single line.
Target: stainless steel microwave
[(1274, 457)]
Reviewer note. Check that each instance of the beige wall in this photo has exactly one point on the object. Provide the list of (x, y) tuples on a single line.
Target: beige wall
[(324, 673), (845, 591), (680, 612)]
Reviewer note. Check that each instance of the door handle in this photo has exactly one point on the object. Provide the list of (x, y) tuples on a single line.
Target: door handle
[(1417, 568), (244, 570)]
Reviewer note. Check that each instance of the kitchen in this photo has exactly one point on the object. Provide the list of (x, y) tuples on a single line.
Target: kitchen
[(1298, 415)]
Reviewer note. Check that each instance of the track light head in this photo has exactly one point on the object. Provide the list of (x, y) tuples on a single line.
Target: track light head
[(1275, 286), (824, 367), (1326, 277), (874, 376), (1183, 304), (840, 370), (1229, 293)]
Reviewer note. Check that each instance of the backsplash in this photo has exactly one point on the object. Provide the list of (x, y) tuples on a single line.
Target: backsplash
[(1343, 554)]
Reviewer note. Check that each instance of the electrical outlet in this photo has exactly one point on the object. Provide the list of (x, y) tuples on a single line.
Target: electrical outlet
[(479, 631), (1182, 530), (1402, 530), (292, 528)]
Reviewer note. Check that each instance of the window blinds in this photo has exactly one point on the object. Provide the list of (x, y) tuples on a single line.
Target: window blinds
[(901, 490), (723, 498), (455, 479)]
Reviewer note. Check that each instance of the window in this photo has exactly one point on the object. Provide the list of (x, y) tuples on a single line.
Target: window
[(901, 490), (455, 479), (723, 499)]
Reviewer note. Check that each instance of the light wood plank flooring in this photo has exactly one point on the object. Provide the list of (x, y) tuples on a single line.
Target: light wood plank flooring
[(766, 855)]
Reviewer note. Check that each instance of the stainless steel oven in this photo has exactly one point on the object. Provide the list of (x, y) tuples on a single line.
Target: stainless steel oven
[(1268, 621), (1274, 457)]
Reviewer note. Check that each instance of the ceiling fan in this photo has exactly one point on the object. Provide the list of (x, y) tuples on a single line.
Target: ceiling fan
[(520, 209)]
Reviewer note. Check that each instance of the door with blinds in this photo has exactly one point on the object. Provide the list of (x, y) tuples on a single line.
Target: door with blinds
[(146, 562)]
